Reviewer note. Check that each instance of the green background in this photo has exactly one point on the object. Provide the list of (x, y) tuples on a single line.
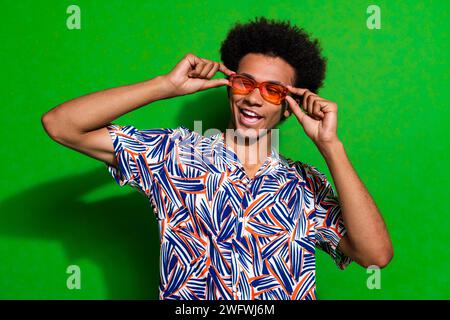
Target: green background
[(60, 208)]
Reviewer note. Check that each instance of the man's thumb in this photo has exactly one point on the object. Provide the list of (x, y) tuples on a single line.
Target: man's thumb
[(215, 83)]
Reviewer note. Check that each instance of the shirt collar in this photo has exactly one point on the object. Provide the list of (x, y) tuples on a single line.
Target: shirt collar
[(272, 162), (279, 158)]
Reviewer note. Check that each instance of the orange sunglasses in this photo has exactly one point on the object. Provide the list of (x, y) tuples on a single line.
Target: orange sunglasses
[(271, 92)]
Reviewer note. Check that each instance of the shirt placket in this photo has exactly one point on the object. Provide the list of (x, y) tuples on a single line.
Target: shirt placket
[(245, 184), (239, 235)]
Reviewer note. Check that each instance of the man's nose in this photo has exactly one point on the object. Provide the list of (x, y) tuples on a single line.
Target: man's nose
[(254, 97)]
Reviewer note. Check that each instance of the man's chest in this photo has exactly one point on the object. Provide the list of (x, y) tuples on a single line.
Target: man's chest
[(226, 203)]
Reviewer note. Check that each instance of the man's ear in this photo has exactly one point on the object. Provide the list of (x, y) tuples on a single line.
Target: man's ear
[(286, 110)]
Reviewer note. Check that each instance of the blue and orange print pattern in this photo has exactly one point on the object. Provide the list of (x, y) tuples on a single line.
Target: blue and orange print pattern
[(224, 236)]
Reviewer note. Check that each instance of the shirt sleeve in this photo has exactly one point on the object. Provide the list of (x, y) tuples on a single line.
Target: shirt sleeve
[(137, 152), (330, 227)]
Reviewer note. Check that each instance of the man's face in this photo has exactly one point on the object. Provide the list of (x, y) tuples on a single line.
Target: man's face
[(261, 68)]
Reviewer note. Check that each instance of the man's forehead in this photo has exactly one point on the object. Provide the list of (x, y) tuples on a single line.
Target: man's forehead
[(273, 78), (254, 78), (263, 69)]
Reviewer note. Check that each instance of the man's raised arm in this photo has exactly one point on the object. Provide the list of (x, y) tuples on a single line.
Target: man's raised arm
[(80, 123)]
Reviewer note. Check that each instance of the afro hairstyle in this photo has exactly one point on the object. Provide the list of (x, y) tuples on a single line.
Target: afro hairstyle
[(277, 39)]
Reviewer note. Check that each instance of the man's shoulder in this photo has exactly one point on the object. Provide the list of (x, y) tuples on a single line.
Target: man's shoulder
[(306, 170), (174, 134)]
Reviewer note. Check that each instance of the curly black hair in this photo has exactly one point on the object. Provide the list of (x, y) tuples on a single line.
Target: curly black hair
[(277, 39)]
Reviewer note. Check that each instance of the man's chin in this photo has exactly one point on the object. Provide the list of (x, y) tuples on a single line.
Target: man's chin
[(250, 133)]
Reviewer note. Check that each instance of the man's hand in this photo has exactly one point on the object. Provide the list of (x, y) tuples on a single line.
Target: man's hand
[(320, 119), (193, 74)]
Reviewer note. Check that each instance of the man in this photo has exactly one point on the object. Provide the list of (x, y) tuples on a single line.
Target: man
[(234, 226)]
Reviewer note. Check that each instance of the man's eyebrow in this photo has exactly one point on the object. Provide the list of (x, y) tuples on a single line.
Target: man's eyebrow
[(252, 77)]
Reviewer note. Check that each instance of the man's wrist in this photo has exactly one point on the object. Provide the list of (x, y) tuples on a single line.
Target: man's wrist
[(331, 149), (162, 87)]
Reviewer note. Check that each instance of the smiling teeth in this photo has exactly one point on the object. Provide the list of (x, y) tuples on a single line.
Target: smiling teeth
[(249, 113)]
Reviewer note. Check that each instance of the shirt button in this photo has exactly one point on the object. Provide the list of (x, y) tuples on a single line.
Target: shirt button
[(238, 294), (234, 289), (241, 219), (237, 255)]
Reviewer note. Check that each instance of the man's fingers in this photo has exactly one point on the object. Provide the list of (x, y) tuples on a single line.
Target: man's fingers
[(213, 70), (198, 64), (317, 108), (298, 91), (197, 69), (203, 68), (193, 61), (308, 100), (206, 69), (214, 83), (307, 97), (295, 108), (225, 70)]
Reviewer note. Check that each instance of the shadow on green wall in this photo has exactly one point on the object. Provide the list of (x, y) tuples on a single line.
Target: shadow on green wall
[(114, 233), (118, 234), (210, 106)]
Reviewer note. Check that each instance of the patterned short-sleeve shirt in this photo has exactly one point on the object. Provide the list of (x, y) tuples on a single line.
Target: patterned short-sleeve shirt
[(222, 234)]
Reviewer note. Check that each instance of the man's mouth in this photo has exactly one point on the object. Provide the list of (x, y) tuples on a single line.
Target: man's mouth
[(249, 117)]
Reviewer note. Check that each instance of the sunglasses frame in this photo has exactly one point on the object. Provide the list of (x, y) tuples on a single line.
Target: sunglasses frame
[(260, 86)]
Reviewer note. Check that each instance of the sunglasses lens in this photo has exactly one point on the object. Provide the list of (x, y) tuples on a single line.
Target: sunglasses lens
[(242, 85), (274, 93)]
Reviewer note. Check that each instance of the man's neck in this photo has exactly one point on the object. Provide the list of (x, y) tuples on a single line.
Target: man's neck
[(252, 152)]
